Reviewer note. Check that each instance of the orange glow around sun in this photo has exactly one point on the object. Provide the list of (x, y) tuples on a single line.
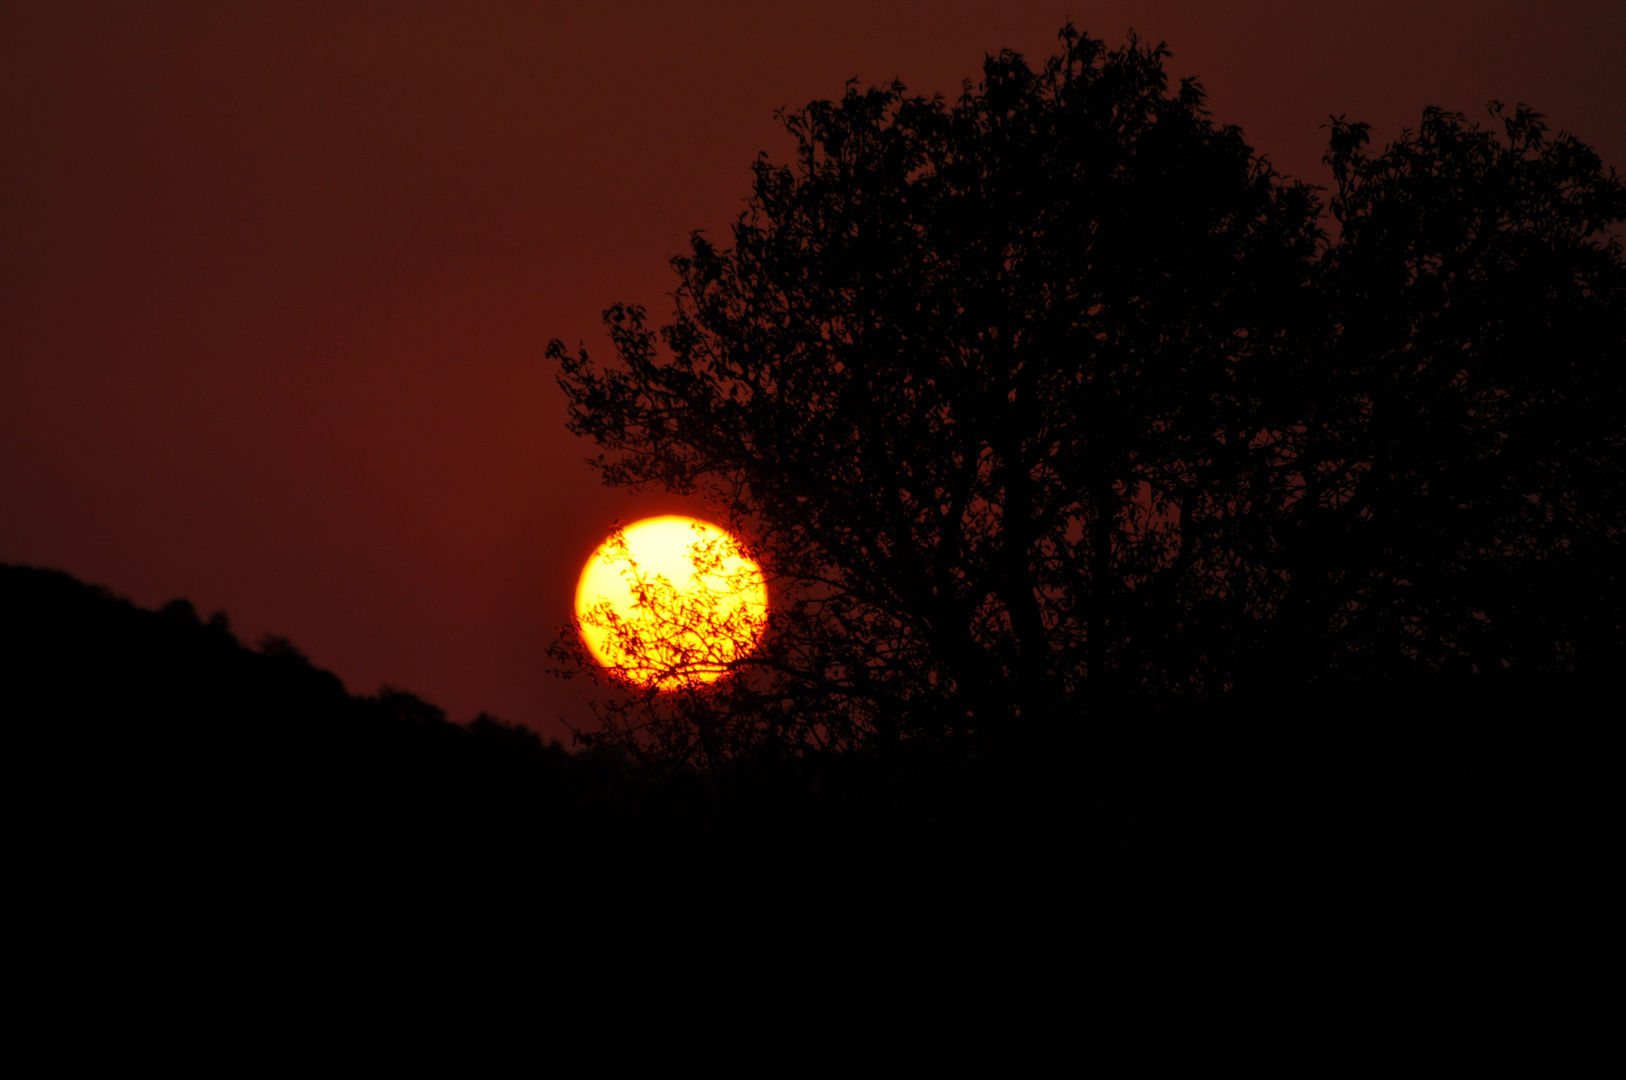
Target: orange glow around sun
[(669, 602)]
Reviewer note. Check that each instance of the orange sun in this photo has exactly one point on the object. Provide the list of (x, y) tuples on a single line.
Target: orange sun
[(669, 602)]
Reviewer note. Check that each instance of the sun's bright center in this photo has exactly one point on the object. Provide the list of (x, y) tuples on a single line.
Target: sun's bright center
[(670, 602)]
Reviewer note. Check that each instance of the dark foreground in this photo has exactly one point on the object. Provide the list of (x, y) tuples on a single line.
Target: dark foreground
[(160, 765)]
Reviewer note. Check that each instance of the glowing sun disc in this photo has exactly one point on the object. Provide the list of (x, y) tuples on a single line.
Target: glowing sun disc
[(670, 602)]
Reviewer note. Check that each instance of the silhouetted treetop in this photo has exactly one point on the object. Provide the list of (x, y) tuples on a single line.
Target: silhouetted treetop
[(1058, 394), (1457, 453)]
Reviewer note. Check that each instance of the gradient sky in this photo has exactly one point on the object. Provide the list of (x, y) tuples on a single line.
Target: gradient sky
[(275, 279)]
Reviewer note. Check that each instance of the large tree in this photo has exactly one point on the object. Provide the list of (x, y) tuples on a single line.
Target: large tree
[(1057, 396)]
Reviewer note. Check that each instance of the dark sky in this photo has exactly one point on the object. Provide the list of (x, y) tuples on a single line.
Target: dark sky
[(275, 279)]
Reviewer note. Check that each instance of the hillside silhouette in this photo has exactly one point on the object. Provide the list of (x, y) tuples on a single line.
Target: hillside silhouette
[(155, 751), (158, 741), (156, 746)]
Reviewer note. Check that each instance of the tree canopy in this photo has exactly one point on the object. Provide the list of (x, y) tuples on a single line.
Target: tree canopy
[(1057, 396)]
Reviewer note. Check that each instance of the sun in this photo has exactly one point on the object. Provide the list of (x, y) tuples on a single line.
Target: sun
[(669, 602)]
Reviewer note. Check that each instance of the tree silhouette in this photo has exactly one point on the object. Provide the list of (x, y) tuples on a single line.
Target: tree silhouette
[(1058, 398)]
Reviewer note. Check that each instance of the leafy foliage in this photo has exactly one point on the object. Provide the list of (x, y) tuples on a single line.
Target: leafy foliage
[(1057, 397)]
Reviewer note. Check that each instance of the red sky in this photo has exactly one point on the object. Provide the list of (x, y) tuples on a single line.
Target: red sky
[(275, 279)]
